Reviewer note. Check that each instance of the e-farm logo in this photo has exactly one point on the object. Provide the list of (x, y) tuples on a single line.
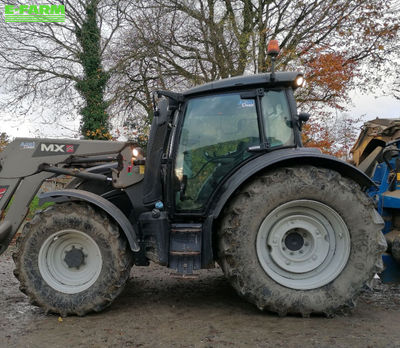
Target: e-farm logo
[(34, 13)]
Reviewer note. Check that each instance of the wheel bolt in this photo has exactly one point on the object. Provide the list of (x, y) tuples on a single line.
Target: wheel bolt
[(314, 257), (288, 262)]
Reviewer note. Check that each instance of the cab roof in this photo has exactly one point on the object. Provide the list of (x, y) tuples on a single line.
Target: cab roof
[(285, 79)]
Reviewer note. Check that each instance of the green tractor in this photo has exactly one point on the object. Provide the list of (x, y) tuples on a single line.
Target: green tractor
[(225, 179)]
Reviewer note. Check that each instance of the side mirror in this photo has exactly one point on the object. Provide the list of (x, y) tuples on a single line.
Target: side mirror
[(303, 117)]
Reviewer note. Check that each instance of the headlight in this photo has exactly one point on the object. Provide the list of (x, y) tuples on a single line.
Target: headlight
[(135, 152), (300, 81)]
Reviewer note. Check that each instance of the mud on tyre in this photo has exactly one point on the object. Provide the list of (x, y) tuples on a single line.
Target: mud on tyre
[(300, 240), (71, 259)]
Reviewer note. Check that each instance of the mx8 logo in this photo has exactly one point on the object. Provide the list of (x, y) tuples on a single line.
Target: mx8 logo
[(50, 149)]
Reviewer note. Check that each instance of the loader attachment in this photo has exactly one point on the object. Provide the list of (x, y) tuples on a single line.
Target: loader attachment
[(26, 163)]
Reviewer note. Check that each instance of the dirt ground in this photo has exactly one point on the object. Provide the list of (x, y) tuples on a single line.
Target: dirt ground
[(156, 310)]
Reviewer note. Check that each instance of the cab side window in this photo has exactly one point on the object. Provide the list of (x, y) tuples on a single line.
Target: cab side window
[(277, 119)]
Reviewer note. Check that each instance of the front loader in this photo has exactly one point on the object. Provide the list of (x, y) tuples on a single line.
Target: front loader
[(225, 179)]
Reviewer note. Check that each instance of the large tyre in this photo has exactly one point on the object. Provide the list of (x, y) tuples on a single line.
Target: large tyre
[(300, 240), (71, 259)]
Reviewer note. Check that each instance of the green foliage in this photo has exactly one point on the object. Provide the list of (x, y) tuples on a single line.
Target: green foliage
[(94, 124)]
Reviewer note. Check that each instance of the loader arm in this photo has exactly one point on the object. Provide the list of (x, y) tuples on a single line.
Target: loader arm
[(26, 163)]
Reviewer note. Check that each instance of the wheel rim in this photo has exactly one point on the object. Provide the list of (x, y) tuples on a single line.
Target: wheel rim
[(303, 244), (70, 261)]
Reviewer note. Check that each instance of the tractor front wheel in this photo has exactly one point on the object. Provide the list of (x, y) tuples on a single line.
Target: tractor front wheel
[(300, 240), (71, 259)]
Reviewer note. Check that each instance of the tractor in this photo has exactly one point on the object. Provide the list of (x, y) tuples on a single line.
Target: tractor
[(224, 180)]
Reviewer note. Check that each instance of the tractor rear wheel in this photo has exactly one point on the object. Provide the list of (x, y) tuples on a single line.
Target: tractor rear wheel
[(300, 240), (71, 259)]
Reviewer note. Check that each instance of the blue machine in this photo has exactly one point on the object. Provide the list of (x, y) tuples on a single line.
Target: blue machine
[(384, 169)]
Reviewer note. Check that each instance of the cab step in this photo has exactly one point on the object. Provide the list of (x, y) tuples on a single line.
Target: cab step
[(185, 248)]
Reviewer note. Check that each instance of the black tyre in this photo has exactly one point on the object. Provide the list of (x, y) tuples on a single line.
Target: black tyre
[(71, 259), (300, 240)]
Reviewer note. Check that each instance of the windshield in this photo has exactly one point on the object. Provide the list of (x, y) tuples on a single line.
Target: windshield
[(216, 133)]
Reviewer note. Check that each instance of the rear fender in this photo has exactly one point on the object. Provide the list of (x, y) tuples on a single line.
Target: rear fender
[(102, 203), (268, 161), (281, 158)]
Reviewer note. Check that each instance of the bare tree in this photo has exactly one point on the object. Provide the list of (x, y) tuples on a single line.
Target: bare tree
[(205, 40), (110, 54), (63, 65)]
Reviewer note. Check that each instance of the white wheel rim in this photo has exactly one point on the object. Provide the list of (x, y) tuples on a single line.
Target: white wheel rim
[(303, 244), (60, 275)]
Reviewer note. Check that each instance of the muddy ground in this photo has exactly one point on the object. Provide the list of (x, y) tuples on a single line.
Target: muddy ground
[(156, 310)]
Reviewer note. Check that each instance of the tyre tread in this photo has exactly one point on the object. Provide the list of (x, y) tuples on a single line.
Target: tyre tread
[(230, 235)]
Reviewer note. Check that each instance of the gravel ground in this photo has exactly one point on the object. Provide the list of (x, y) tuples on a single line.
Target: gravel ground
[(157, 310)]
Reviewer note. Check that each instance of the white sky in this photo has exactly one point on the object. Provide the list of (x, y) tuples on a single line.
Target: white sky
[(373, 106), (33, 127)]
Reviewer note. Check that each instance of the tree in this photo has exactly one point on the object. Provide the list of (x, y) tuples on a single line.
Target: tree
[(110, 54), (63, 66), (332, 135), (196, 42)]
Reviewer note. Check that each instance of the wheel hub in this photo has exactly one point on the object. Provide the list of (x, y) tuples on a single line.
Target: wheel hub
[(303, 244), (294, 241), (74, 258), (70, 261)]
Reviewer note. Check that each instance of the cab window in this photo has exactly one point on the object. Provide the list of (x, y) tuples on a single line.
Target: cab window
[(216, 133), (277, 119)]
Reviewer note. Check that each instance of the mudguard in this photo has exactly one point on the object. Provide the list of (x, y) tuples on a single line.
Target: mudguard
[(102, 203), (280, 158), (270, 160)]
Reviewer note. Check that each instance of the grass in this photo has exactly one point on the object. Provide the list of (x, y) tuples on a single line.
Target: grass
[(33, 207)]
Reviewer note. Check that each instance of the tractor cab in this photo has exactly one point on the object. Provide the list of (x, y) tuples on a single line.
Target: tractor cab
[(208, 132)]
